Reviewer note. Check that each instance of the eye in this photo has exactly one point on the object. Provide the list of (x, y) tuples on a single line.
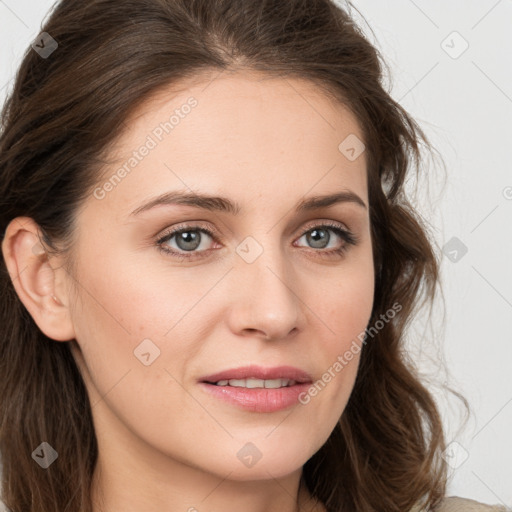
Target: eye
[(190, 238), (318, 236)]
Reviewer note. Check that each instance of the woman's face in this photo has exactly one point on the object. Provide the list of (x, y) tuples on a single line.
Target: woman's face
[(266, 288)]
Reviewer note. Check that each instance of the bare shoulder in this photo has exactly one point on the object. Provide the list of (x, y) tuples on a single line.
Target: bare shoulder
[(456, 504)]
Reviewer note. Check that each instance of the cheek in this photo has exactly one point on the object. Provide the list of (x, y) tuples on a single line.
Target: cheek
[(129, 366), (134, 318), (119, 322), (125, 295), (344, 308), (346, 304)]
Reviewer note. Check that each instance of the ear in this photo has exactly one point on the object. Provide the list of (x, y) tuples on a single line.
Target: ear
[(39, 285)]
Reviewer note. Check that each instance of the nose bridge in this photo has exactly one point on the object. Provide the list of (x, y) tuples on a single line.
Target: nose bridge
[(268, 287), (264, 261)]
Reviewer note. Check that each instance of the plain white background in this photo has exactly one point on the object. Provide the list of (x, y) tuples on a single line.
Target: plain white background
[(451, 69)]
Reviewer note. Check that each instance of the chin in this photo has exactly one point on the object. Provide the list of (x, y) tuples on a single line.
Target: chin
[(262, 460)]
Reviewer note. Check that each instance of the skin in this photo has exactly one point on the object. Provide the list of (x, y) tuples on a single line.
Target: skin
[(164, 444)]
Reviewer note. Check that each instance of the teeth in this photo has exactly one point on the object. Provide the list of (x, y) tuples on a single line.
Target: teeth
[(257, 383)]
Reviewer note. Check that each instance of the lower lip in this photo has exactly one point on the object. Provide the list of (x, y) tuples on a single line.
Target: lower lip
[(258, 399)]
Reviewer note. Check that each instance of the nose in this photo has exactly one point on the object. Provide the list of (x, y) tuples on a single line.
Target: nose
[(266, 297)]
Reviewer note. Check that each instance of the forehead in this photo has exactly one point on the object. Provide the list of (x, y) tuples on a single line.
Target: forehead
[(247, 133)]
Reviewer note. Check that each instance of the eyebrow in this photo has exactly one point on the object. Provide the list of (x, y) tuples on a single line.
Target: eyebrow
[(223, 204)]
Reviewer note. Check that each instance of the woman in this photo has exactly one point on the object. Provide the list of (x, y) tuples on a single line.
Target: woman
[(176, 335)]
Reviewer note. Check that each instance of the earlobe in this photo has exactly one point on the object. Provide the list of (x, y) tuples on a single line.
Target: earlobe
[(34, 279)]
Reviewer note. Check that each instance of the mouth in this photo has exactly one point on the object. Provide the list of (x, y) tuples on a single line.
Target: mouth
[(258, 389), (253, 383)]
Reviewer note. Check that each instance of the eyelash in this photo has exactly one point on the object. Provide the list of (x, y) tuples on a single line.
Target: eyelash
[(349, 238)]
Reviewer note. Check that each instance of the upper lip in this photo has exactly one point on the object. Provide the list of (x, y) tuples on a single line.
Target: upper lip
[(259, 372)]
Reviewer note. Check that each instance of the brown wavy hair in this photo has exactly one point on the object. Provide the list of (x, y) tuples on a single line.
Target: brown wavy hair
[(58, 123)]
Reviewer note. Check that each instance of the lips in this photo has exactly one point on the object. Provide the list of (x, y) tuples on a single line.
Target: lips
[(259, 372), (255, 398)]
